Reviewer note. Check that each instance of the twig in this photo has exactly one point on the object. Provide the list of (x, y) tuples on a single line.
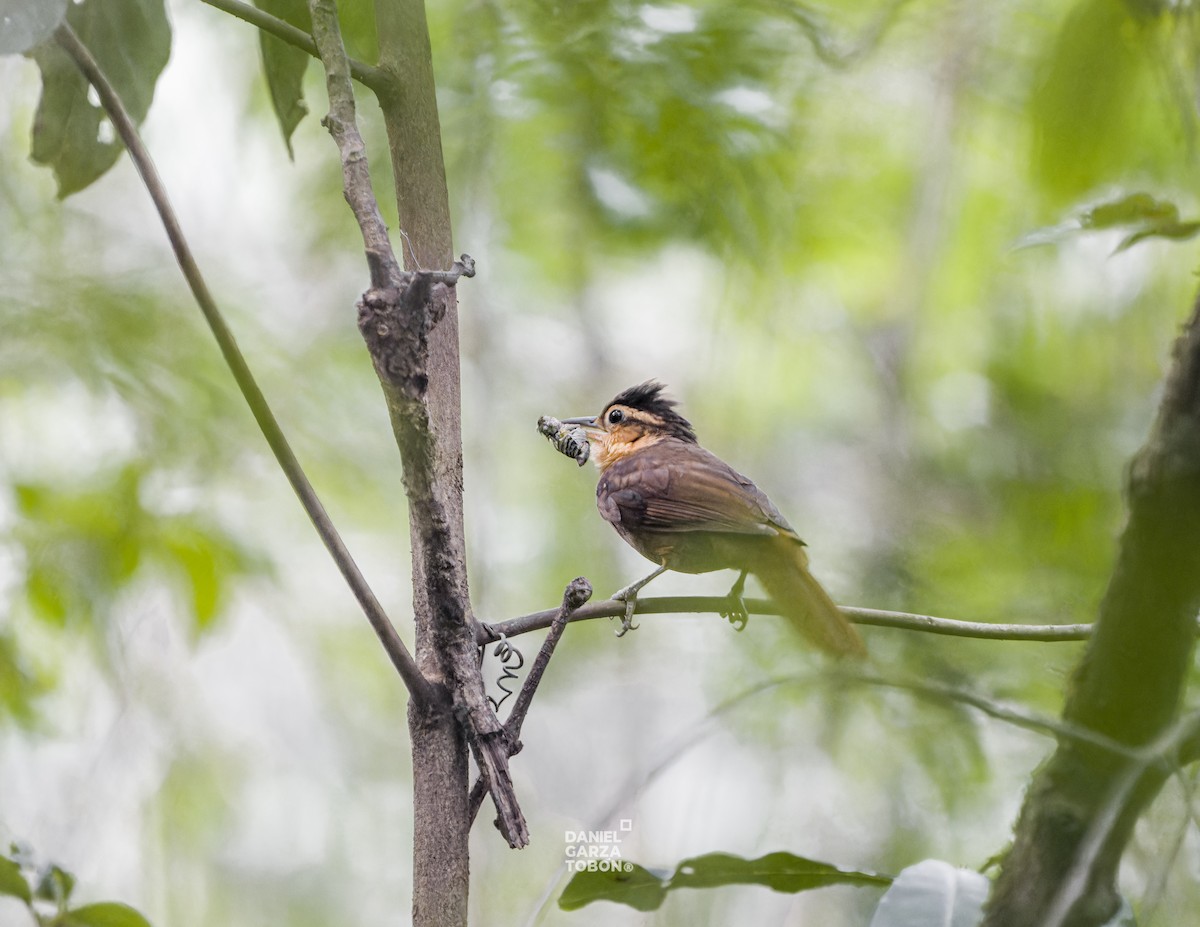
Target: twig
[(342, 123), (367, 75), (1001, 712), (578, 591), (666, 605), (401, 659)]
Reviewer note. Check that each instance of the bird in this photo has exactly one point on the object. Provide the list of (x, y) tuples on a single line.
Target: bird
[(683, 508)]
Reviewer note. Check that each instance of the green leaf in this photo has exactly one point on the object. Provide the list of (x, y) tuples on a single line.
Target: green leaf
[(1130, 209), (131, 41), (55, 884), (783, 872), (640, 888), (1177, 231), (104, 914), (933, 893), (27, 22), (1149, 217), (624, 883), (284, 65), (12, 882)]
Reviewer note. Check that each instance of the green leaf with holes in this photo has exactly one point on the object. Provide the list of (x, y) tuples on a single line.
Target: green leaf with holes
[(131, 41), (644, 889)]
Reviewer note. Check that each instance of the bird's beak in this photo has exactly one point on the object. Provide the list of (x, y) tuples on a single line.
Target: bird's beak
[(587, 421)]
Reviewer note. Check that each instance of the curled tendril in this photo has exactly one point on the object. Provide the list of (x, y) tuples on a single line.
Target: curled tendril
[(511, 660)]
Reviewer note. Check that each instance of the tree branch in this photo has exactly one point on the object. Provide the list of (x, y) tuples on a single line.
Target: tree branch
[(578, 591), (365, 74), (1128, 684), (401, 659), (1164, 753), (665, 605), (396, 318), (342, 123)]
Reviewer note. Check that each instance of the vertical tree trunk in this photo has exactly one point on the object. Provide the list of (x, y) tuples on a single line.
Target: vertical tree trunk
[(1129, 683), (440, 769)]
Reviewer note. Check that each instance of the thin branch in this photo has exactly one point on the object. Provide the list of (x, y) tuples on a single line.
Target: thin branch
[(367, 75), (342, 123), (578, 591), (1039, 724), (668, 605), (402, 660)]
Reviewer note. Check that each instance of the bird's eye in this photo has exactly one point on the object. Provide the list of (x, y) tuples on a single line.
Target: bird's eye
[(615, 416)]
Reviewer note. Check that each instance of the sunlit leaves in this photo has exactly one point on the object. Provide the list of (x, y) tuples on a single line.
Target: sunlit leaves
[(644, 889), (651, 122), (1099, 109), (131, 40), (83, 546)]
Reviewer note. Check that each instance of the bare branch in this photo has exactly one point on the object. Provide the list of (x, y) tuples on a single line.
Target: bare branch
[(668, 605), (342, 123), (578, 591), (417, 685), (365, 74)]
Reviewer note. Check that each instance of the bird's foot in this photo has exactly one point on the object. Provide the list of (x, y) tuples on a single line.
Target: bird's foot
[(735, 610), (628, 595)]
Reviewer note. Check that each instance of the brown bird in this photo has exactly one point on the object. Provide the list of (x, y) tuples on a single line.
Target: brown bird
[(687, 510)]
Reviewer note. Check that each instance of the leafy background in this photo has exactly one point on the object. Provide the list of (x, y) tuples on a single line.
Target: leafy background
[(858, 240)]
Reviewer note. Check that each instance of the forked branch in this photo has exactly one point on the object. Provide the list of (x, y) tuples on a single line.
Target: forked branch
[(127, 131)]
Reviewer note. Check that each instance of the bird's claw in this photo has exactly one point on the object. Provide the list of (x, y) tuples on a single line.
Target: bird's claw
[(629, 597), (736, 612)]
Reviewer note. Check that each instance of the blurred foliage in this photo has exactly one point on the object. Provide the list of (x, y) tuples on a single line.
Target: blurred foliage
[(130, 40), (804, 217), (32, 884)]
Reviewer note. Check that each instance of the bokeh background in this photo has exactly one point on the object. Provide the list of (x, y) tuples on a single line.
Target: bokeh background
[(846, 235)]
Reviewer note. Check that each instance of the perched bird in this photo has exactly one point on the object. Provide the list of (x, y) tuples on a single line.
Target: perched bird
[(687, 510)]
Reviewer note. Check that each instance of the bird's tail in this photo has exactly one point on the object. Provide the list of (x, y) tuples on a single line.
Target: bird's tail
[(804, 602)]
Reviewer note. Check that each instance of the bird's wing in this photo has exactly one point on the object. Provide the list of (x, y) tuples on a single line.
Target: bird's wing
[(682, 487)]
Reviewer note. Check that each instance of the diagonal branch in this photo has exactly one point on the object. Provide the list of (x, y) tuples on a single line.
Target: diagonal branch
[(401, 659), (671, 605)]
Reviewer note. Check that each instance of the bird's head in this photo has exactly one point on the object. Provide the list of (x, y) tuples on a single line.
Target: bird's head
[(634, 419)]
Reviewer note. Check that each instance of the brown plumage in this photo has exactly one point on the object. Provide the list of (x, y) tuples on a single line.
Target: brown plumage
[(687, 510)]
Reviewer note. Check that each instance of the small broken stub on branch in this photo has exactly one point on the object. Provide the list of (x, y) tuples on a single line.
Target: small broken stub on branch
[(569, 440)]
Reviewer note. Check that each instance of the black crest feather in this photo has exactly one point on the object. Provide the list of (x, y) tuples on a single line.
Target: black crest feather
[(648, 397)]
